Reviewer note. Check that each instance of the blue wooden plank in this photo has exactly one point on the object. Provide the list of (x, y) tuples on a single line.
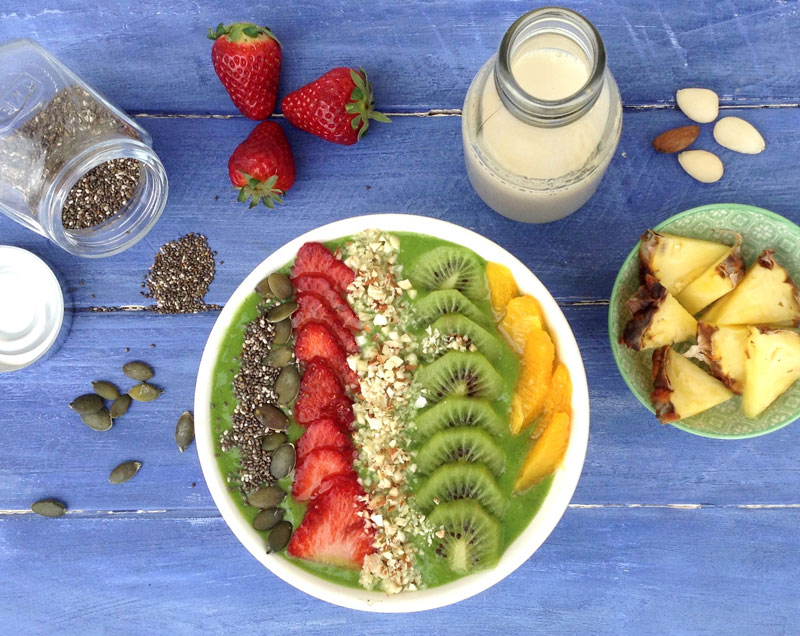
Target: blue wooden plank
[(47, 451), (416, 165), (602, 572), (157, 59)]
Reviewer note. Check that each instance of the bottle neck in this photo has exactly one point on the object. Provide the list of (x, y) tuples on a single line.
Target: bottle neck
[(554, 28)]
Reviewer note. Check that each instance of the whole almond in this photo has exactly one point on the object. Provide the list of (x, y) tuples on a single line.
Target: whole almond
[(702, 165), (676, 139), (698, 104), (738, 135)]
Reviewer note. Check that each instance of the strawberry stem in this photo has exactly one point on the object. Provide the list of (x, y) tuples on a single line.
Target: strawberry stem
[(362, 103), (238, 31), (260, 191)]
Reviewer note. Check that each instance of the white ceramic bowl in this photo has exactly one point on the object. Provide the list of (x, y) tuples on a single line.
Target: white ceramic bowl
[(555, 503)]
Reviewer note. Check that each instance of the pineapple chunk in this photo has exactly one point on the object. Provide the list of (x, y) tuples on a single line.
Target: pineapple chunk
[(719, 279), (677, 260), (681, 389), (772, 366), (723, 349), (658, 319), (766, 296)]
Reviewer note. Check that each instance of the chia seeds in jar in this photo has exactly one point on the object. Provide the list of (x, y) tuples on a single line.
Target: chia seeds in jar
[(73, 167)]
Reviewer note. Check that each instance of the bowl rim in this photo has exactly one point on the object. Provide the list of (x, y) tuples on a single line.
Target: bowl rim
[(555, 502), (614, 300)]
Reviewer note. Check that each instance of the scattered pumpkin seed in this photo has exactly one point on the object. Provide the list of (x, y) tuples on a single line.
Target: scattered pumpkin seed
[(279, 357), (51, 508), (283, 331), (279, 537), (124, 472), (287, 385), (263, 288), (105, 390), (267, 519), (282, 461), (266, 497), (280, 285), (137, 370), (120, 406), (279, 312), (273, 440), (184, 431), (272, 417), (87, 403), (100, 421), (145, 392)]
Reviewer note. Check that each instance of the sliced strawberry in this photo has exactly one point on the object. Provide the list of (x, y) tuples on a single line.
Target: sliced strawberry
[(321, 394), (323, 432), (320, 284), (315, 258), (316, 340), (340, 410), (312, 307), (318, 464), (332, 531)]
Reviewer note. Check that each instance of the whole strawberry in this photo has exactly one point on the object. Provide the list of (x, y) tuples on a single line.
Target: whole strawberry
[(262, 166), (247, 59), (336, 106)]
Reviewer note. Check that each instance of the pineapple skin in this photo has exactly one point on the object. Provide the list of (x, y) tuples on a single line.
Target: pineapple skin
[(723, 349), (772, 366), (658, 319)]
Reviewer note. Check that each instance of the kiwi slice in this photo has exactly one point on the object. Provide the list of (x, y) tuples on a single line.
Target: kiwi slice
[(447, 301), (465, 373), (461, 481), (456, 324), (450, 267), (462, 444), (459, 411), (471, 538)]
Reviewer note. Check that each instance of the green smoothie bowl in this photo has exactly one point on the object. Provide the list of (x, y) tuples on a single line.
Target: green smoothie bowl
[(760, 230), (457, 467)]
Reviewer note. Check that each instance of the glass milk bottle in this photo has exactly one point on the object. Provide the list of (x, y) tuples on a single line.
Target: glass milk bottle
[(542, 118), (73, 167)]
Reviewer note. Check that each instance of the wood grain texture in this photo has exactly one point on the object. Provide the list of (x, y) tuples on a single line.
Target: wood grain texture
[(416, 165), (421, 55), (602, 572)]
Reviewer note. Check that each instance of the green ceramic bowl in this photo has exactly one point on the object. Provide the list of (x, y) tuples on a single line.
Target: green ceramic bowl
[(762, 230)]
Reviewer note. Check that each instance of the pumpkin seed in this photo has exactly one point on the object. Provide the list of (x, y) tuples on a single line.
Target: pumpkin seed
[(266, 497), (279, 357), (263, 289), (87, 403), (279, 312), (184, 431), (282, 461), (105, 390), (283, 331), (267, 519), (137, 370), (120, 406), (279, 537), (287, 384), (145, 392), (273, 440), (280, 285), (52, 508), (124, 472), (272, 417), (100, 421)]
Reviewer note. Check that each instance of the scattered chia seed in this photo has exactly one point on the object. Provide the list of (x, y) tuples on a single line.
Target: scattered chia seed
[(180, 275), (100, 193)]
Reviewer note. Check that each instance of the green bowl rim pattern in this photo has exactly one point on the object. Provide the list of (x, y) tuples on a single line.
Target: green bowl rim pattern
[(633, 254)]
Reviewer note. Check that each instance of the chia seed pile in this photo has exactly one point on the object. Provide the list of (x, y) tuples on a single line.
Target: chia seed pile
[(180, 275), (100, 193), (253, 386)]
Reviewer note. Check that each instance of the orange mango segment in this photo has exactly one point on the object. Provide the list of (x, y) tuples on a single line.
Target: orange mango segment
[(502, 286), (546, 455), (558, 398), (534, 380), (523, 316)]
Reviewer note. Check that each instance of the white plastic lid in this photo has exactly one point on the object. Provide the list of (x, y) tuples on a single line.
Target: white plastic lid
[(31, 308)]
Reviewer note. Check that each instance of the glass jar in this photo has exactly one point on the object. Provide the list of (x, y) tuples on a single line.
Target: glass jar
[(542, 118), (73, 167)]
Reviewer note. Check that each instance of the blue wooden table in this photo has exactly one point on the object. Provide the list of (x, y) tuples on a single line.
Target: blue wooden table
[(667, 533)]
